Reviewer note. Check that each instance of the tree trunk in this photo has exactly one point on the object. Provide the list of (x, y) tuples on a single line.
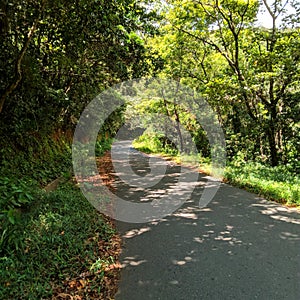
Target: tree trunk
[(272, 146), (178, 129)]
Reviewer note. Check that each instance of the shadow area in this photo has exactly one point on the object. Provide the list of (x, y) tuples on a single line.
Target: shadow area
[(148, 187)]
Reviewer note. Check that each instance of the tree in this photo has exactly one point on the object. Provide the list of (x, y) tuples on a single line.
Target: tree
[(248, 72), (56, 56)]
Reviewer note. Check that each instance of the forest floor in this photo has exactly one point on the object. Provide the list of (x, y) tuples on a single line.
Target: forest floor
[(114, 246)]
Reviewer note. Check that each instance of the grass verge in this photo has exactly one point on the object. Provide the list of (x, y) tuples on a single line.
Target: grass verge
[(274, 183)]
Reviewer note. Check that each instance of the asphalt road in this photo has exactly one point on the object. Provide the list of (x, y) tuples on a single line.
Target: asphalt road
[(239, 247)]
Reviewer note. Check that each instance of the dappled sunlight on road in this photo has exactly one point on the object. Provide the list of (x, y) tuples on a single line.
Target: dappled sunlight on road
[(132, 261), (289, 236), (134, 232), (185, 260), (278, 212), (233, 246)]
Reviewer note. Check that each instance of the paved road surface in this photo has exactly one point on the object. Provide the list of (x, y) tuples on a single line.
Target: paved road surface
[(239, 247)]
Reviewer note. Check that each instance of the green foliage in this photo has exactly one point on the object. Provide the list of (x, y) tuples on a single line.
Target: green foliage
[(102, 146), (57, 240), (155, 143), (146, 112), (38, 159), (24, 172), (14, 194), (250, 75), (98, 267), (276, 183), (72, 51)]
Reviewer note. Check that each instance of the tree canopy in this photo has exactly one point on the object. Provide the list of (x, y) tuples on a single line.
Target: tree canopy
[(56, 56), (249, 74)]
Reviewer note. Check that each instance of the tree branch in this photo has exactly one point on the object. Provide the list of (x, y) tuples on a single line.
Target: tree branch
[(18, 65)]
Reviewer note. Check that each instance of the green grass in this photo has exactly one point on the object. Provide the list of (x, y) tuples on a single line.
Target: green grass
[(274, 183), (54, 241)]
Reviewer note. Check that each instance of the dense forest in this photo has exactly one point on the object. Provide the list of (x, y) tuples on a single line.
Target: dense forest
[(56, 56)]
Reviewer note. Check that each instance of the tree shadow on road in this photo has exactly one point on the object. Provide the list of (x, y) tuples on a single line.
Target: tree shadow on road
[(239, 247)]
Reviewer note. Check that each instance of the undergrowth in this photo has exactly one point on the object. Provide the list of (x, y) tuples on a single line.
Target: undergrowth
[(275, 183), (23, 172), (25, 167), (54, 243), (39, 159), (51, 244)]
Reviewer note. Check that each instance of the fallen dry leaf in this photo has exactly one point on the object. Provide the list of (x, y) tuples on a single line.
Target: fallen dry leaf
[(83, 286)]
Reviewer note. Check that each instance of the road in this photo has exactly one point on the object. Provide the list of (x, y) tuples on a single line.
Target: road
[(239, 247)]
